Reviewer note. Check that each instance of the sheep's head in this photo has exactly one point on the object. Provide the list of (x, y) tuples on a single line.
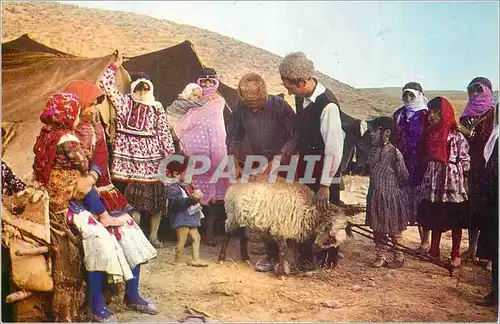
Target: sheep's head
[(331, 230)]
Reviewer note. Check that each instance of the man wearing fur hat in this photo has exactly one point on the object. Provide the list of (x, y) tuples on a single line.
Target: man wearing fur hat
[(263, 125), (319, 133)]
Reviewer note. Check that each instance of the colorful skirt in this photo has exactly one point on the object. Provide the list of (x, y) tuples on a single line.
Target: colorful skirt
[(148, 197)]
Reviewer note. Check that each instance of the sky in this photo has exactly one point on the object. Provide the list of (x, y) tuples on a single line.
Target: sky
[(442, 45)]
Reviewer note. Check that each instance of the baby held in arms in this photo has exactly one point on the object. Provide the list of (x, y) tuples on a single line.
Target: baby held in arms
[(190, 97)]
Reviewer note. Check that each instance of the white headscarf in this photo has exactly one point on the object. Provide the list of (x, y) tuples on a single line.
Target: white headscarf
[(148, 98), (417, 104), (188, 90)]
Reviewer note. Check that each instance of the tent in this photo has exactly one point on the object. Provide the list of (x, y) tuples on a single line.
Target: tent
[(28, 79), (33, 71), (173, 68)]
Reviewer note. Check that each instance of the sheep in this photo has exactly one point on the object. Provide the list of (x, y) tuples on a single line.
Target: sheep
[(285, 211)]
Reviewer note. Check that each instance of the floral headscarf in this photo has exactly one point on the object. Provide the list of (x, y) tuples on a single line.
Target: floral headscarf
[(59, 116)]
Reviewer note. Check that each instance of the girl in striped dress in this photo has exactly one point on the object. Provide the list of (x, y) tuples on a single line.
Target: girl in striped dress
[(386, 211)]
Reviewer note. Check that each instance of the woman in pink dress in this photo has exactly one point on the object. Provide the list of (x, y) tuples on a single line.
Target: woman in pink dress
[(202, 132)]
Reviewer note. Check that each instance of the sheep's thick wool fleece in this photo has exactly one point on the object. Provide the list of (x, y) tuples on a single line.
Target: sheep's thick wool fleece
[(285, 210)]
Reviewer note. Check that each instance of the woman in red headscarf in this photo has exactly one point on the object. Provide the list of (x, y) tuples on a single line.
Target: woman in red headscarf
[(60, 159), (444, 200), (118, 253)]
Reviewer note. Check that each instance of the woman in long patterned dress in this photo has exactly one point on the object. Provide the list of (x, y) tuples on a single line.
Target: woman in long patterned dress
[(202, 132), (410, 120), (142, 141), (116, 254), (476, 124), (444, 199)]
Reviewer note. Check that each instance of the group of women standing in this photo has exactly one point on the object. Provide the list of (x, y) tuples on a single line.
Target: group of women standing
[(452, 170)]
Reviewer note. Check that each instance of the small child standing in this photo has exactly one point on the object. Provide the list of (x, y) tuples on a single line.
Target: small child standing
[(60, 159), (444, 201), (386, 211), (187, 213)]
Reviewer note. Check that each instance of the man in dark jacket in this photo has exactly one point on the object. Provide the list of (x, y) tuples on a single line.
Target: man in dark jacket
[(262, 125)]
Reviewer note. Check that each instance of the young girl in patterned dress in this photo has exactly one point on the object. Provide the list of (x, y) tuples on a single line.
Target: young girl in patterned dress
[(60, 158), (386, 211), (444, 201)]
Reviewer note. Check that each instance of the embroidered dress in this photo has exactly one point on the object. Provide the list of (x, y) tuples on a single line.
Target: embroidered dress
[(443, 196), (141, 142), (386, 210), (142, 136)]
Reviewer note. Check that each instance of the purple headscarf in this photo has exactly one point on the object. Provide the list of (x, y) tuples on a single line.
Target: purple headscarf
[(479, 103), (211, 90)]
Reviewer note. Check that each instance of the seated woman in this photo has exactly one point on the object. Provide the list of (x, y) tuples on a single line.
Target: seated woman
[(117, 253), (59, 157)]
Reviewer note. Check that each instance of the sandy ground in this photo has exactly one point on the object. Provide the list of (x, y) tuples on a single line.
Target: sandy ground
[(233, 291)]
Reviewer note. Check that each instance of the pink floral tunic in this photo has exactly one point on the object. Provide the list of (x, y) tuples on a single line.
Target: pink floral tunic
[(142, 136), (446, 182)]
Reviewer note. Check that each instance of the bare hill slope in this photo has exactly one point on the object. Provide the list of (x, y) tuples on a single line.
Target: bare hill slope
[(92, 33)]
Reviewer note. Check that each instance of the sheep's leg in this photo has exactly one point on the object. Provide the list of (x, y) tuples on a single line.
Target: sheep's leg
[(333, 257), (282, 256), (243, 244), (223, 248), (296, 256)]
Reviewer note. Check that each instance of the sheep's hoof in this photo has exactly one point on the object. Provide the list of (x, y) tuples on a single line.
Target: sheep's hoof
[(282, 277), (221, 260)]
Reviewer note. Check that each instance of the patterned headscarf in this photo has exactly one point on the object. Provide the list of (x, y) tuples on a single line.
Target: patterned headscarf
[(59, 116), (436, 138), (480, 103)]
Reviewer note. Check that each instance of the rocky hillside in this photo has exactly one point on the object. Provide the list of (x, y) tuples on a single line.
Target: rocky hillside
[(92, 33)]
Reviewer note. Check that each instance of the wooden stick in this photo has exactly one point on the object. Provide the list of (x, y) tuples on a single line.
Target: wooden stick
[(18, 296), (33, 251), (191, 309)]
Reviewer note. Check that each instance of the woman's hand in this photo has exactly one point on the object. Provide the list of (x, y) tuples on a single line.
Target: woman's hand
[(462, 129), (118, 59), (197, 194), (82, 186)]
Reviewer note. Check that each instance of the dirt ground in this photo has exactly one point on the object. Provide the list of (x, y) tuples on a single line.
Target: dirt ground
[(234, 292)]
